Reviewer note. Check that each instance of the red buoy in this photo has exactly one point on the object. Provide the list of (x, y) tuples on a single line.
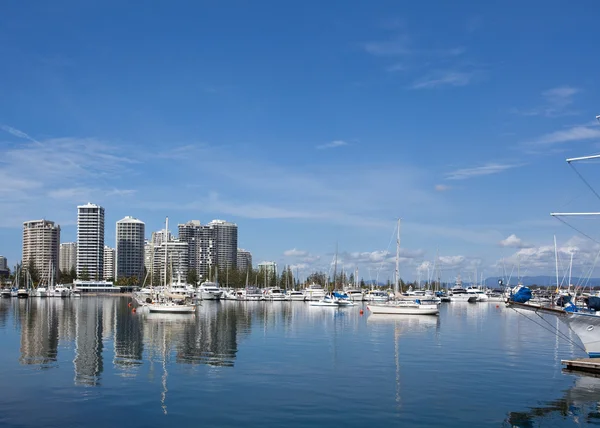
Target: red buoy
[(361, 312), (133, 311), (497, 306), (129, 304)]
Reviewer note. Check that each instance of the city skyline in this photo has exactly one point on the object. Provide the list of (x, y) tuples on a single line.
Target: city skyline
[(319, 138)]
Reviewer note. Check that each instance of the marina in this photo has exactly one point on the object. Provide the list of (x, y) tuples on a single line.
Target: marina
[(83, 359)]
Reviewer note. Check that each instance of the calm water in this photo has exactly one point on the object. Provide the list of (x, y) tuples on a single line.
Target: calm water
[(90, 361)]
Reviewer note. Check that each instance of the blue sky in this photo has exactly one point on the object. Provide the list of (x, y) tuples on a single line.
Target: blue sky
[(309, 124)]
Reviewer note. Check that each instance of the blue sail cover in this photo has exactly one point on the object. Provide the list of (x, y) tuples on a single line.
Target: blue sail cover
[(340, 296), (523, 295)]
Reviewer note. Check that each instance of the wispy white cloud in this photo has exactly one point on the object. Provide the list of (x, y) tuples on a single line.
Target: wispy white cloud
[(441, 187), (18, 133), (295, 253), (445, 78), (332, 145), (398, 45), (478, 171), (556, 103), (576, 133), (514, 241)]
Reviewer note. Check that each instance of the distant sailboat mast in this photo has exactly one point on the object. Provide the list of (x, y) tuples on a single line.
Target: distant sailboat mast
[(397, 272)]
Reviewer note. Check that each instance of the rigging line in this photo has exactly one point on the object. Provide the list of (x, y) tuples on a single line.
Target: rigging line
[(553, 329), (560, 333), (584, 180), (386, 250), (577, 230)]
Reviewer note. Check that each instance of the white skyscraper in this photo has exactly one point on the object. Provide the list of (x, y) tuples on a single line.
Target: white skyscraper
[(130, 248), (68, 256), (109, 263), (41, 241), (90, 241), (177, 260)]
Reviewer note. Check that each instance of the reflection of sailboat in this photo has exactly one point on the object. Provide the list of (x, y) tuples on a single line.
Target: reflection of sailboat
[(581, 403)]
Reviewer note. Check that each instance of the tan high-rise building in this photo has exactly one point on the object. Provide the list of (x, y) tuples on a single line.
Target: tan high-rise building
[(68, 256), (109, 263), (41, 241)]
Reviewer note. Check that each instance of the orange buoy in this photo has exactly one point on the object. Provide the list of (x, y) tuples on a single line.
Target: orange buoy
[(361, 312), (133, 311), (129, 304)]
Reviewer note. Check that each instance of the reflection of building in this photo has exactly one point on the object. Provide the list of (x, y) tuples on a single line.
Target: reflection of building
[(128, 339), (244, 260), (88, 341), (68, 256), (41, 241), (90, 241), (39, 332), (109, 263), (269, 267), (130, 248)]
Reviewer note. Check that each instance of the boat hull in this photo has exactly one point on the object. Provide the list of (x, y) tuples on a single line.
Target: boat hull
[(404, 309), (324, 304), (172, 309), (587, 328)]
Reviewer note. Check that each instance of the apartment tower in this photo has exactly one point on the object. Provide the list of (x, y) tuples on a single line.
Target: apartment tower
[(130, 248), (90, 241), (41, 242)]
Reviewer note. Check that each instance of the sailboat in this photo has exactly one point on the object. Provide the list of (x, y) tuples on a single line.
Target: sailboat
[(167, 304), (404, 307), (23, 292)]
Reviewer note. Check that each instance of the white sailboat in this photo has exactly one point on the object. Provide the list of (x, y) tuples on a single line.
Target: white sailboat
[(165, 304), (405, 307)]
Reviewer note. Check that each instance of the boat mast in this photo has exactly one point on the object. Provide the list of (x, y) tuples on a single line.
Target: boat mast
[(556, 262), (570, 270), (397, 275)]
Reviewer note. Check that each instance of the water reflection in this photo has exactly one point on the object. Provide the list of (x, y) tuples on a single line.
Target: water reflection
[(90, 326), (580, 404), (403, 325)]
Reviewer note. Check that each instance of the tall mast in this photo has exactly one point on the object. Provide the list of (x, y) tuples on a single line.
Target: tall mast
[(335, 266), (570, 270), (556, 262), (397, 273)]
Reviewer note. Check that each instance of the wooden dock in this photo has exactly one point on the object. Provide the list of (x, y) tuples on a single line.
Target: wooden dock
[(588, 365)]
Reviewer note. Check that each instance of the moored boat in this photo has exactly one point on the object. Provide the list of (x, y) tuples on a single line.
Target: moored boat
[(404, 307)]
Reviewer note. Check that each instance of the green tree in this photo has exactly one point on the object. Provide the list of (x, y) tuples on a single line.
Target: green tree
[(362, 283), (73, 273), (192, 277), (33, 272), (85, 276)]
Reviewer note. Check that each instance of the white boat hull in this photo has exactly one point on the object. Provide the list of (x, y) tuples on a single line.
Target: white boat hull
[(463, 298), (587, 328), (210, 295), (393, 309), (171, 309), (297, 297), (322, 303)]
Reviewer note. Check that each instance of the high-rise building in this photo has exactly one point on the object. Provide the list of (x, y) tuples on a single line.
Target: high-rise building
[(190, 232), (159, 237), (68, 256), (130, 248), (90, 241), (177, 260), (244, 260), (108, 271), (3, 266), (269, 267), (41, 241), (148, 255), (225, 237)]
